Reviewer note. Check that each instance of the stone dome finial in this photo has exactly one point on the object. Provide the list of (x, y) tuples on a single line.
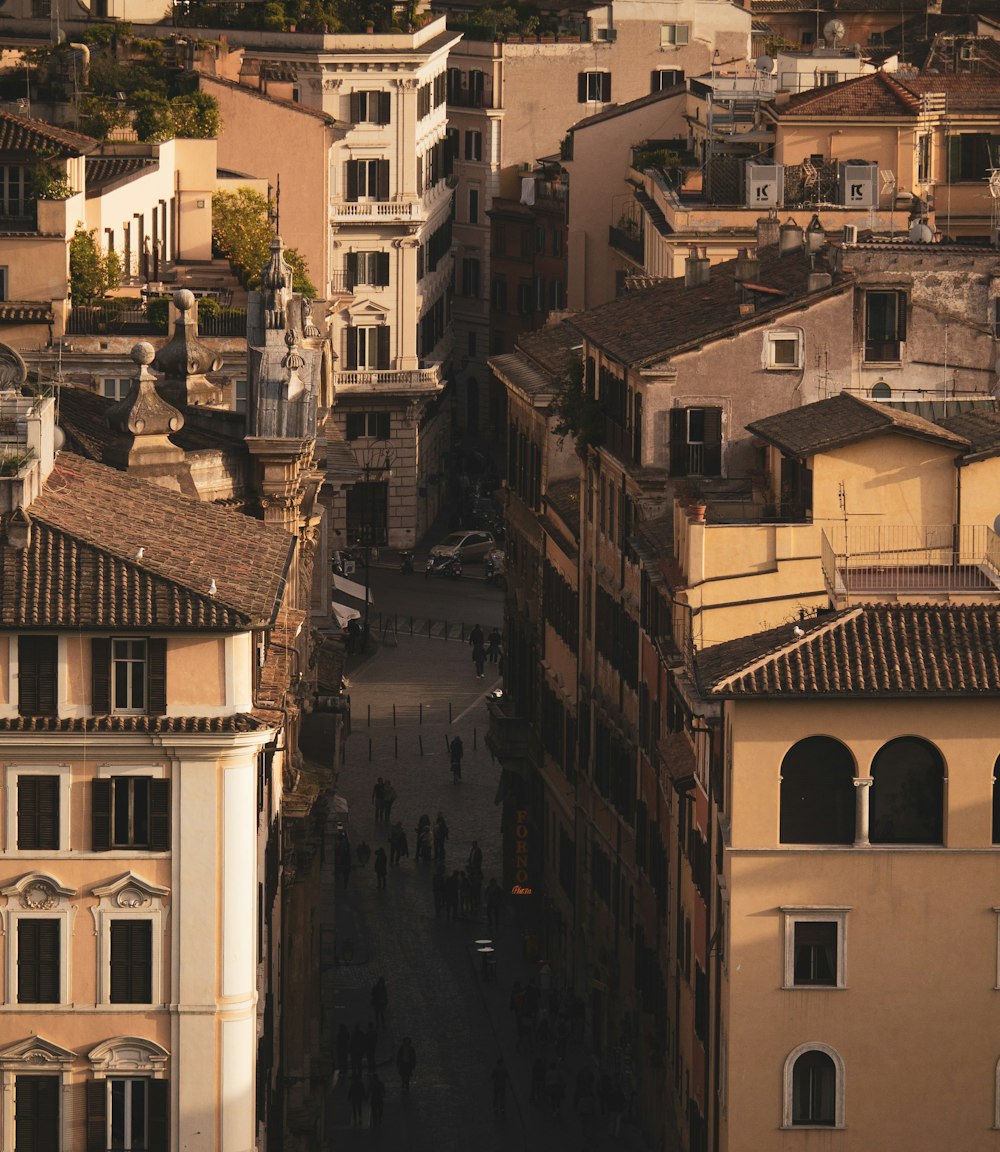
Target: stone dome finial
[(185, 359), (144, 418), (292, 360), (276, 285)]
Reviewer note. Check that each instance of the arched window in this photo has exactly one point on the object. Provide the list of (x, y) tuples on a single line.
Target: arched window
[(907, 796), (996, 802), (817, 793), (881, 391), (813, 1093)]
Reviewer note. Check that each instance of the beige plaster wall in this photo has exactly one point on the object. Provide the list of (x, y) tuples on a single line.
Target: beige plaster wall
[(911, 1027), (196, 674)]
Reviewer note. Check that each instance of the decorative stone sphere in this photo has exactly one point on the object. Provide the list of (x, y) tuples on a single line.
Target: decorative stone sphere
[(143, 352), (183, 299)]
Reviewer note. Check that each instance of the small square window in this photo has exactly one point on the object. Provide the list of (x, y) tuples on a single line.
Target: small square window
[(815, 953), (783, 350), (674, 35)]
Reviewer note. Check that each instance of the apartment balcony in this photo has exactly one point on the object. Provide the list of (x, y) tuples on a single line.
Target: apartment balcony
[(886, 561), (417, 380), (511, 738), (375, 211), (629, 242)]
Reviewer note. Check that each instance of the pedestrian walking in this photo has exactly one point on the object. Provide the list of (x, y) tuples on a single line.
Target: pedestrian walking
[(493, 645), (423, 851), (376, 1091), (364, 854), (499, 1077), (381, 867), (406, 1061), (371, 1046), (493, 898), (475, 860), (398, 846), (475, 892), (478, 645), (463, 894), (388, 799), (380, 1001), (437, 887), (378, 799), (357, 1050), (440, 836), (342, 863), (457, 750), (357, 1094), (343, 1046)]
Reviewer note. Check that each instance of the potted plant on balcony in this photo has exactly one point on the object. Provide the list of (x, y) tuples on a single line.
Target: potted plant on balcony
[(691, 494)]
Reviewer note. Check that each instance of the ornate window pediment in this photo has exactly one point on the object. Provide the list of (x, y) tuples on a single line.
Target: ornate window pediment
[(368, 311), (129, 1054), (38, 892), (34, 1052), (129, 892)]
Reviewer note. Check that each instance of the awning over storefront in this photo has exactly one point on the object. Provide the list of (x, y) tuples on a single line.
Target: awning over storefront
[(351, 589)]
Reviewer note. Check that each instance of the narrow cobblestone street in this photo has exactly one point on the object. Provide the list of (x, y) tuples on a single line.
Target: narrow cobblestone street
[(460, 1023)]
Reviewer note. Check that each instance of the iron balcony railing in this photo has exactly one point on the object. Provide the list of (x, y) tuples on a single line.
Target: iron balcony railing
[(904, 558), (630, 243)]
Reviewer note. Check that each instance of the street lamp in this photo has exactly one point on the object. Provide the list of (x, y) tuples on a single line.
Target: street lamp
[(376, 459)]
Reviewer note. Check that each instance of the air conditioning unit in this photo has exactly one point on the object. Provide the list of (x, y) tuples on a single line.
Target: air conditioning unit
[(859, 184), (765, 185), (850, 233)]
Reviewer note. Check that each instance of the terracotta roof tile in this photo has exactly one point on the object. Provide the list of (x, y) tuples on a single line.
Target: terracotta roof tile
[(629, 106), (103, 170), (81, 568), (888, 94), (876, 650), (643, 326), (844, 419), (19, 134), (980, 426), (26, 312)]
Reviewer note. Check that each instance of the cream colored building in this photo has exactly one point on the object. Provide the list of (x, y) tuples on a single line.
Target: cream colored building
[(512, 100), (382, 236)]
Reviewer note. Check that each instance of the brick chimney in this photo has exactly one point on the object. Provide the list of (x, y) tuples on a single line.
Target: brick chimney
[(696, 268), (768, 230), (747, 266)]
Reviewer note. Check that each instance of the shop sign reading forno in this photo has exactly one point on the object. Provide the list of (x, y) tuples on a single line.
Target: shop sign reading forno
[(521, 887)]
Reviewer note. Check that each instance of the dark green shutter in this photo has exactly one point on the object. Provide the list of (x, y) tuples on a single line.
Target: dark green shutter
[(355, 107), (156, 676), (383, 180), (382, 268), (678, 442), (159, 1117), (37, 812), (382, 350), (97, 1115), (352, 269), (159, 815), (131, 961), (352, 349), (38, 961), (712, 465), (384, 107), (100, 815), (581, 87), (352, 179), (100, 676), (37, 1114), (606, 86)]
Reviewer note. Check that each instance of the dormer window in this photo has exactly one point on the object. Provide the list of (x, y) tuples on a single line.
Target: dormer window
[(129, 676)]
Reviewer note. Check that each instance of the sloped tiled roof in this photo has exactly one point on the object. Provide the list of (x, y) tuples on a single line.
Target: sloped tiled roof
[(19, 134), (642, 326), (980, 426), (103, 170), (877, 650), (887, 94), (254, 94), (81, 567), (844, 419), (629, 106)]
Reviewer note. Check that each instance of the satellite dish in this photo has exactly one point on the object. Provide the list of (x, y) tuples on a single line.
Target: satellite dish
[(834, 30), (764, 64)]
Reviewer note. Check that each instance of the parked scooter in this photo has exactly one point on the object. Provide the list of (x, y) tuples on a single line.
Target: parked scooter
[(444, 566), (495, 567), (406, 562)]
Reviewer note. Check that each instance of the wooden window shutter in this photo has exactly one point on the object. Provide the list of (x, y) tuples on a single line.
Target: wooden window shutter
[(159, 1117), (383, 179), (38, 1124), (382, 266), (156, 676), (606, 86), (352, 349), (38, 812), (901, 316), (100, 676), (38, 672), (355, 107), (159, 815), (97, 1115), (131, 961), (38, 961), (383, 347), (352, 179), (352, 269), (581, 88), (678, 442), (384, 107), (713, 442), (100, 815)]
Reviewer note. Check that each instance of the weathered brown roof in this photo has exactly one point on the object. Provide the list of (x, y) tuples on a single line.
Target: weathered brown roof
[(104, 170), (550, 347), (19, 134), (643, 326), (238, 722), (844, 419), (876, 650), (82, 569), (886, 94), (980, 427), (255, 94)]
